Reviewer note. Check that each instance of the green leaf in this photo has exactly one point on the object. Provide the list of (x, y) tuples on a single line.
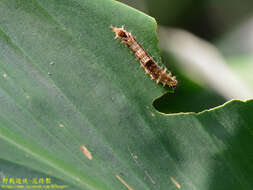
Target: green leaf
[(76, 106)]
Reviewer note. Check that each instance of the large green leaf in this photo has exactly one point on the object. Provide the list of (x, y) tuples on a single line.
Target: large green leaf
[(65, 84)]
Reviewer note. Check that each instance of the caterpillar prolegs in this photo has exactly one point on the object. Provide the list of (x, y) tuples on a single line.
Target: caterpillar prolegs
[(151, 67)]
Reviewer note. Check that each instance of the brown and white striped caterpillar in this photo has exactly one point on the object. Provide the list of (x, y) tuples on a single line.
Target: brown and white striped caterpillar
[(147, 62)]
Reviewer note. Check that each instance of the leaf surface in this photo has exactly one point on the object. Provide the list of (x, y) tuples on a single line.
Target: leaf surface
[(76, 106)]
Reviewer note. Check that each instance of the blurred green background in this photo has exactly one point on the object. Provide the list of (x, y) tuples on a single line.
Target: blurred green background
[(208, 45), (208, 19)]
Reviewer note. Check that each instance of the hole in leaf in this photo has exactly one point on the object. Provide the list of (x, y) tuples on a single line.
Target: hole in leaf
[(188, 97)]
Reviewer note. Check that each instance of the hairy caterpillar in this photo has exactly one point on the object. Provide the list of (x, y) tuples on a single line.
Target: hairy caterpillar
[(147, 62)]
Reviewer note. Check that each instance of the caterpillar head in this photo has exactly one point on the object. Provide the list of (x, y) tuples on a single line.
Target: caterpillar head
[(121, 33)]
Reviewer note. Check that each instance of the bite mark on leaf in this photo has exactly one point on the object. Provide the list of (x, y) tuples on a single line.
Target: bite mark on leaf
[(175, 182), (123, 182), (86, 152)]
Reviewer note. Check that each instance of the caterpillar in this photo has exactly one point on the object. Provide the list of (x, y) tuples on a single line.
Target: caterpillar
[(151, 67)]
